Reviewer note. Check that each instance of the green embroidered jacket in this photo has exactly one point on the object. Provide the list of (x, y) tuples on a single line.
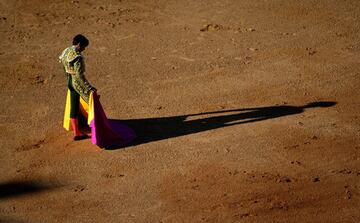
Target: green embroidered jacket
[(74, 65)]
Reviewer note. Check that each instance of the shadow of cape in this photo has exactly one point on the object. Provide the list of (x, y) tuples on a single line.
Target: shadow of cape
[(155, 129)]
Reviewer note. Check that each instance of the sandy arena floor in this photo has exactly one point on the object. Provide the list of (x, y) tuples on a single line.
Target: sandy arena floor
[(246, 111)]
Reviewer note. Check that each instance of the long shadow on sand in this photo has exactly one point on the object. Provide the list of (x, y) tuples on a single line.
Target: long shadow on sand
[(154, 129), (18, 188)]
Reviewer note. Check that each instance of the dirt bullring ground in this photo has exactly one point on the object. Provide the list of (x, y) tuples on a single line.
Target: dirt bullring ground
[(245, 111)]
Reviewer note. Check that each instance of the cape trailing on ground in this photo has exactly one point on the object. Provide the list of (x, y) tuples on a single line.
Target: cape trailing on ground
[(104, 133)]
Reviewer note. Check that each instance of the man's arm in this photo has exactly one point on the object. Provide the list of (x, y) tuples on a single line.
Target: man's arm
[(79, 69)]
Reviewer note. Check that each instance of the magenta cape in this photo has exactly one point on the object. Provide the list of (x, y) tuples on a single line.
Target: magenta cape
[(104, 133), (107, 133)]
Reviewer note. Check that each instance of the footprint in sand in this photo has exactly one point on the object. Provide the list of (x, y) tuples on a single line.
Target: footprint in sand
[(110, 176), (79, 188), (36, 145)]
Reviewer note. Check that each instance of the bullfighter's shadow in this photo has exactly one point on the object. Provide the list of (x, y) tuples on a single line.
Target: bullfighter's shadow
[(155, 129)]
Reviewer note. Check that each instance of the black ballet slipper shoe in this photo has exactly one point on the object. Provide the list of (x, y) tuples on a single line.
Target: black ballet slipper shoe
[(77, 138)]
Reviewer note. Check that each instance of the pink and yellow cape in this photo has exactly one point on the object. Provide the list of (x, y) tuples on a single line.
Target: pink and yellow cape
[(104, 133)]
